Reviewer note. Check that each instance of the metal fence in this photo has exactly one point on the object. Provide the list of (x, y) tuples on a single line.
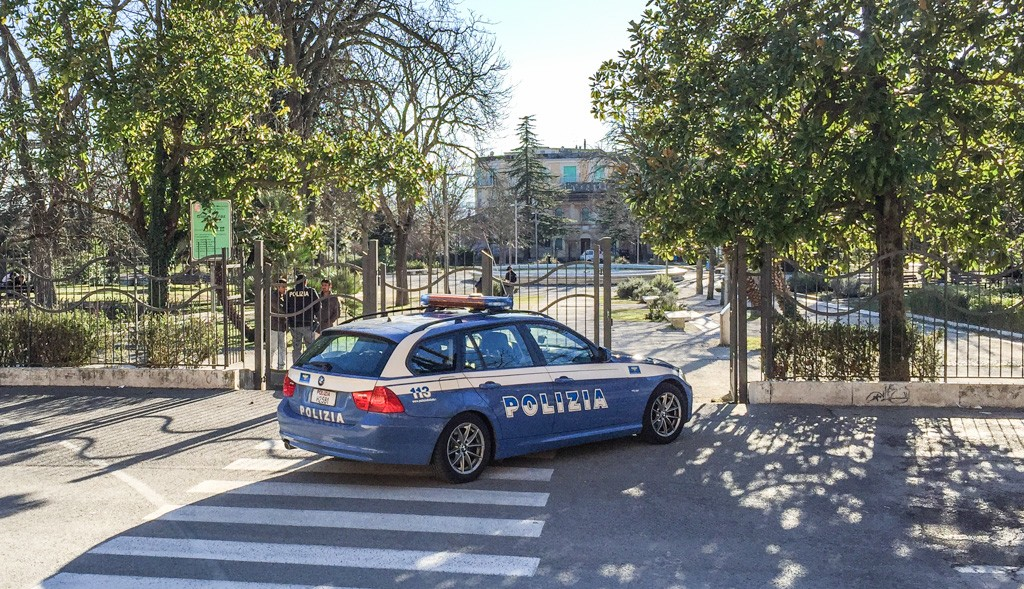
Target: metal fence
[(99, 313), (961, 325)]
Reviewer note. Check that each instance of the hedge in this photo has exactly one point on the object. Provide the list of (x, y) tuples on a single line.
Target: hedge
[(837, 351)]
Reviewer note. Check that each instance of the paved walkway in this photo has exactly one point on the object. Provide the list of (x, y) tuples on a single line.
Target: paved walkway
[(695, 349)]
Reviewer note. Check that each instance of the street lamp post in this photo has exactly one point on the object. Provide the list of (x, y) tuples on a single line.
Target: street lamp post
[(516, 225)]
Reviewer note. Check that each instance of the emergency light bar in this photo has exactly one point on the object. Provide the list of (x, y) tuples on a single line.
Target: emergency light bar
[(479, 302)]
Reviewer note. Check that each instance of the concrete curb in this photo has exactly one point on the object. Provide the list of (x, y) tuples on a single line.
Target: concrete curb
[(888, 394), (153, 378)]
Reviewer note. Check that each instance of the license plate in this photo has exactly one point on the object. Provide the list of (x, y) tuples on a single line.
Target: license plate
[(322, 397)]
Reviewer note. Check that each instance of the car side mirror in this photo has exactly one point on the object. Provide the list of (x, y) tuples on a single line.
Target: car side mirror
[(603, 355)]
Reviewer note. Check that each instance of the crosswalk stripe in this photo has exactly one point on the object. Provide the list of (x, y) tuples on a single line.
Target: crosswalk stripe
[(396, 522), (978, 569), (91, 581), (345, 491), (316, 555), (505, 473)]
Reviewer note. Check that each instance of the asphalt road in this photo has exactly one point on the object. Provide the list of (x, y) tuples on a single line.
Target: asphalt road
[(145, 489)]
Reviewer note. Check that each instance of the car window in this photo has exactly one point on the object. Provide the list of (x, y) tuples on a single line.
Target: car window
[(348, 354), (561, 347), (433, 356), (491, 349)]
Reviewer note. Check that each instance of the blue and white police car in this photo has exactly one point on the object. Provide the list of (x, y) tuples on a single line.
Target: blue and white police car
[(469, 381)]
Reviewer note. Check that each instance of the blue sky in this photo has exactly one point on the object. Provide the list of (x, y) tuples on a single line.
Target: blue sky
[(553, 47)]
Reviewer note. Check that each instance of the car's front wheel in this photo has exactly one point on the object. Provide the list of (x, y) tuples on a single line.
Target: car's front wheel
[(664, 415), (463, 450)]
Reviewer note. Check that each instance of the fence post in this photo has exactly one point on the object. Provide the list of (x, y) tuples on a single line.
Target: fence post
[(224, 299), (267, 320), (487, 273), (259, 336), (596, 262), (767, 311), (740, 321), (370, 278), (606, 329)]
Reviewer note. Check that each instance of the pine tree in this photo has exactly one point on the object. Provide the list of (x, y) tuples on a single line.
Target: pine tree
[(533, 188)]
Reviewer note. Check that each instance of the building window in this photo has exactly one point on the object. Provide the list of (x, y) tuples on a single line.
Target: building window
[(599, 174), (568, 174), (485, 178), (585, 216), (559, 244), (559, 212)]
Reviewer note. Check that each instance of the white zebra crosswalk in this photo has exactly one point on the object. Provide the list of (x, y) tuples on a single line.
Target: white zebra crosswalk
[(332, 524)]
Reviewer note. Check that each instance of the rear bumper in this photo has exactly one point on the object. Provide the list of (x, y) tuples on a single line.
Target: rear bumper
[(379, 437)]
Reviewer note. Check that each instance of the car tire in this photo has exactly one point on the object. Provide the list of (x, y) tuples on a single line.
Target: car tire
[(463, 450), (664, 415)]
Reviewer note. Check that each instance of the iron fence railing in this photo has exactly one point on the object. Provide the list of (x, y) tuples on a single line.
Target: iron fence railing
[(961, 325)]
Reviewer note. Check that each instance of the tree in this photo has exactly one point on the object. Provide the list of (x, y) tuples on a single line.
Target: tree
[(832, 125), (438, 85), (532, 188)]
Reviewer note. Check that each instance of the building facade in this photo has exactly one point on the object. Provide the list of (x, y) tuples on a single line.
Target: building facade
[(582, 174)]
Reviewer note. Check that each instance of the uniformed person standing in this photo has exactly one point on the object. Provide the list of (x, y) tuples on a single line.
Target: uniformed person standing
[(330, 307), (511, 278), (303, 308), (278, 324)]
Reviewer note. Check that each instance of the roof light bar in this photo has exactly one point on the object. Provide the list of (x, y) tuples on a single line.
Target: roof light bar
[(480, 302)]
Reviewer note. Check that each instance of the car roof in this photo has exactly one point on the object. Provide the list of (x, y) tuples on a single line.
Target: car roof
[(398, 327)]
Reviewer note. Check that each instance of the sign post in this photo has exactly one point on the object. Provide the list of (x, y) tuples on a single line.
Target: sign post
[(209, 241)]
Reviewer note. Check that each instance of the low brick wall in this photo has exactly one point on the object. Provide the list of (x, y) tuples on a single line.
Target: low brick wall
[(888, 394), (154, 378)]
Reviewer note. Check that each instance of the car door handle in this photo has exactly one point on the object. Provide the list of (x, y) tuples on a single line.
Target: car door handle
[(490, 385), (565, 379)]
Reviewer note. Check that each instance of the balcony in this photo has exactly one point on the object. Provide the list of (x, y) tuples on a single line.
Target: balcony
[(585, 187)]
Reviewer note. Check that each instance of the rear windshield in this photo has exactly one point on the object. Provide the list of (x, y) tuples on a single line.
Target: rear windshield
[(348, 354)]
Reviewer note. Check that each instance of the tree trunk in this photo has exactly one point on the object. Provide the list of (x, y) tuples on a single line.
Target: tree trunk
[(41, 256), (401, 265), (713, 259), (894, 343), (700, 275), (164, 208)]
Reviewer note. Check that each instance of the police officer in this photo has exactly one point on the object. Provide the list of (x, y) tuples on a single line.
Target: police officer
[(303, 307), (278, 323), (510, 282), (330, 306)]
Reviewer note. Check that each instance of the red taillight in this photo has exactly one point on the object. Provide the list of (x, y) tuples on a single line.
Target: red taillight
[(379, 400), (289, 387)]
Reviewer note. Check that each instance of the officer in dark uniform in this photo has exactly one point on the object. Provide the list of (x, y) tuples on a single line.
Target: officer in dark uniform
[(303, 307), (510, 283)]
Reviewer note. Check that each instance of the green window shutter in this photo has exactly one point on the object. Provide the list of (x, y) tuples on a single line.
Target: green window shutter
[(599, 174), (568, 173)]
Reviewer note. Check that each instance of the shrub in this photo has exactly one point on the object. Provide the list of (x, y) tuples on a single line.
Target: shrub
[(636, 288), (665, 303), (848, 287), (633, 289), (837, 351), (174, 340), (620, 260), (803, 282), (50, 339), (343, 281), (663, 284), (415, 264)]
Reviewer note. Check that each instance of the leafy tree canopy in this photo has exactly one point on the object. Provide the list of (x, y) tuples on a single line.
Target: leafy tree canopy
[(791, 123)]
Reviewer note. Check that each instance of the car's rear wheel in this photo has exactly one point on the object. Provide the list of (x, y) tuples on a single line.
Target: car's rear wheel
[(664, 415), (463, 450)]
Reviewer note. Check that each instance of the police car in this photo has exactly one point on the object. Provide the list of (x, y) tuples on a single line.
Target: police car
[(469, 381)]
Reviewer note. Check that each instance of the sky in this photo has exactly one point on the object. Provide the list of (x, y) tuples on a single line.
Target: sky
[(553, 47)]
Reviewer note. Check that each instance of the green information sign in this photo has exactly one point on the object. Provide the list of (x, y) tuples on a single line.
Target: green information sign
[(210, 227)]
